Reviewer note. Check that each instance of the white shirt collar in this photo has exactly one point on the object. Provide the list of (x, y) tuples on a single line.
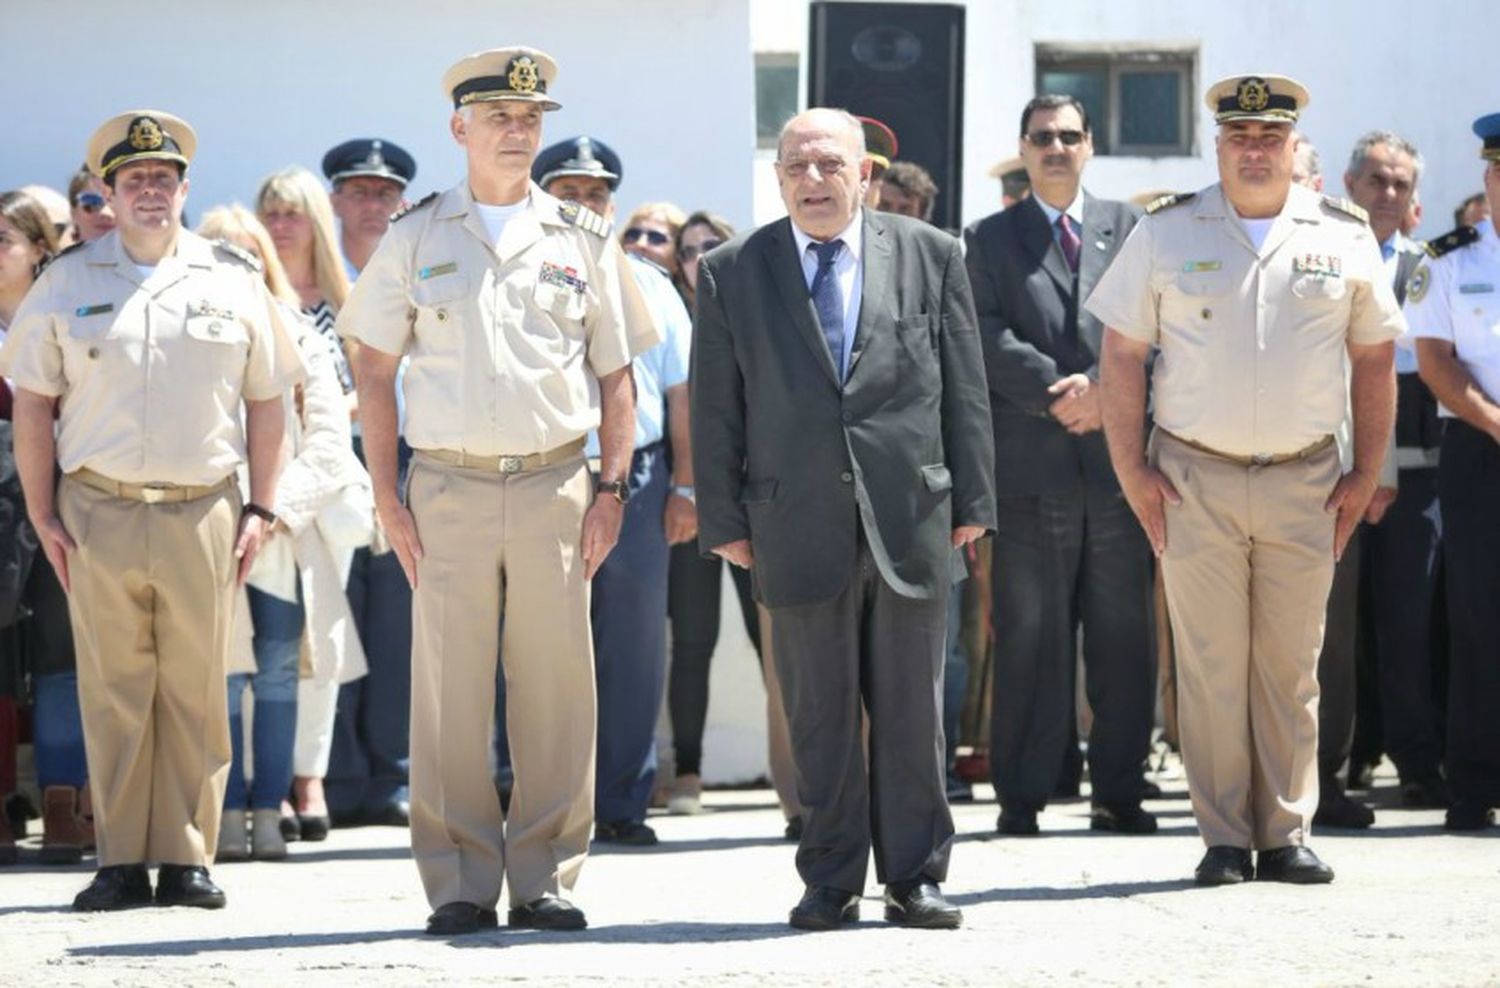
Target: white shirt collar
[(852, 236), (1074, 210)]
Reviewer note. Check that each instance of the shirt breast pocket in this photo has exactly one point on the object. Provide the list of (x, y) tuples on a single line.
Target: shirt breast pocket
[(89, 341), (437, 305), (560, 301), (222, 330), (1319, 289), (918, 336), (1476, 327)]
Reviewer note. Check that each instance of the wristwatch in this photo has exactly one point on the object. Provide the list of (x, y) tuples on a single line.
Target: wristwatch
[(685, 491), (266, 514), (617, 489)]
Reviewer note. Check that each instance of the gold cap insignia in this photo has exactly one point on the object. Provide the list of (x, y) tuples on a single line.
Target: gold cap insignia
[(1253, 95), (145, 134), (523, 75)]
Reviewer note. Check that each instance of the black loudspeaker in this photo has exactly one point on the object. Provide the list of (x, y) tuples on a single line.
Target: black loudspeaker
[(903, 64)]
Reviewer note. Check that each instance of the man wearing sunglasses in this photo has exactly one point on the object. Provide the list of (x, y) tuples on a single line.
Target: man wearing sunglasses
[(1068, 553), (629, 603)]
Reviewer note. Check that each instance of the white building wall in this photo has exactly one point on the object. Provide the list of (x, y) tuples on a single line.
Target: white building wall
[(1368, 64)]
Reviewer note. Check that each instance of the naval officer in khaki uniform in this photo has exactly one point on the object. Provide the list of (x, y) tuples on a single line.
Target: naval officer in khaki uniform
[(520, 321), (147, 342), (1252, 290)]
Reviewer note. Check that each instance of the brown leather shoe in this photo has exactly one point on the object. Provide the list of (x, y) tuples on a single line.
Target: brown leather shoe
[(62, 835)]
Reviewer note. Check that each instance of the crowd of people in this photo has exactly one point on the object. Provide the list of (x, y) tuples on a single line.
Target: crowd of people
[(448, 488)]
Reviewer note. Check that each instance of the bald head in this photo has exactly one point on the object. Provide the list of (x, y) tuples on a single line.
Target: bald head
[(824, 122)]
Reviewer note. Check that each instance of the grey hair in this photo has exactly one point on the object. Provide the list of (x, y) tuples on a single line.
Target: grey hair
[(1390, 139), (1307, 153), (847, 118)]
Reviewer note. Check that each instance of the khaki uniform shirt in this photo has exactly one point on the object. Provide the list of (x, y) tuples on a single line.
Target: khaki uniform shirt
[(1252, 343), (150, 370), (1456, 297), (506, 344)]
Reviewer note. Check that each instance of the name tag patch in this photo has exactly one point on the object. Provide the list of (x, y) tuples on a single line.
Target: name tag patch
[(94, 310), (448, 267), (206, 308), (556, 274), (1319, 265), (1476, 289), (1193, 267)]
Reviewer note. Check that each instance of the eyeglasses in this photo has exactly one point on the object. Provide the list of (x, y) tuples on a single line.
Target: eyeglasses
[(653, 237), (691, 252), (1044, 138), (828, 167), (89, 202)]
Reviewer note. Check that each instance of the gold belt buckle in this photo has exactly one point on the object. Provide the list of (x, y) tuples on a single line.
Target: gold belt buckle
[(153, 495), (512, 464)]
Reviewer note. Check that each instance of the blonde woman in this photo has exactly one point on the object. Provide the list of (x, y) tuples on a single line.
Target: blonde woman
[(651, 232), (294, 595)]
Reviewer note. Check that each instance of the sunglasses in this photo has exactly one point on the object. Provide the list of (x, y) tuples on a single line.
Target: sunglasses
[(653, 237), (90, 202), (689, 252), (1044, 138)]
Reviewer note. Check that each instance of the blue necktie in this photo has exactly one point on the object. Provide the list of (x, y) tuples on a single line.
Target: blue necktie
[(829, 301), (1387, 250)]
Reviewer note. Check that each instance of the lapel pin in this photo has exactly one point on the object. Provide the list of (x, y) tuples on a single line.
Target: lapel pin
[(1100, 244)]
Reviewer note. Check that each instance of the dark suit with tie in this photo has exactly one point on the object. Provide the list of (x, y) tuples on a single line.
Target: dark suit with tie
[(848, 491), (1067, 548)]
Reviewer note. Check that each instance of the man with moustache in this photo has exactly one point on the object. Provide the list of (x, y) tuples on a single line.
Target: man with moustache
[(1253, 291), (842, 451)]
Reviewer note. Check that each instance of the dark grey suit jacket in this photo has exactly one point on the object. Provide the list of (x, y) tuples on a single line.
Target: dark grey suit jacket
[(1035, 332), (787, 457)]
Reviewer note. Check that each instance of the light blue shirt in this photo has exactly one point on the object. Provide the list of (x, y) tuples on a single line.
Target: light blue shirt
[(849, 271), (1074, 211), (662, 367), (1390, 253)]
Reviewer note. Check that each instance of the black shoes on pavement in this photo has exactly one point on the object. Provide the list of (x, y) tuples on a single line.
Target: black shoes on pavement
[(129, 886), (1122, 819), (547, 913), (460, 918), (1017, 823), (824, 908), (187, 885), (1335, 809), (627, 833), (1464, 815), (1295, 864), (1224, 865), (919, 904)]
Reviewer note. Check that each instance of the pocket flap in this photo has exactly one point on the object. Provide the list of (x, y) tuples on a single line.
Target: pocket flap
[(937, 477), (758, 492), (215, 329)]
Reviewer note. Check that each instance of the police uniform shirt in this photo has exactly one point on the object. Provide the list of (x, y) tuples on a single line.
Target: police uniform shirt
[(507, 342), (1252, 343), (151, 368), (1456, 298)]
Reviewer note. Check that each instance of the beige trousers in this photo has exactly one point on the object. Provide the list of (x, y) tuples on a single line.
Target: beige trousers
[(152, 607), (1247, 569), (500, 547), (778, 732)]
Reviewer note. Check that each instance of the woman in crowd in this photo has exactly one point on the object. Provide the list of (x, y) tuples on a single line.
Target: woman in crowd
[(651, 232), (693, 603), (294, 591), (41, 643), (296, 211)]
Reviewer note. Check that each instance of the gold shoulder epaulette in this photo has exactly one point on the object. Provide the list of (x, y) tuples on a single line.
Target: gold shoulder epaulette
[(1451, 241), (407, 210), (240, 254), (1168, 201), (1347, 207), (581, 216)]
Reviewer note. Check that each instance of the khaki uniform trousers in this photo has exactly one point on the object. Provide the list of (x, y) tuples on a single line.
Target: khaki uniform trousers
[(500, 549), (778, 731), (1247, 570), (152, 606)]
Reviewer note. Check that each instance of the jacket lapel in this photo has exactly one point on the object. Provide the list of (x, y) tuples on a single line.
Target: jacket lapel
[(1098, 238), (786, 275), (1036, 235), (879, 284)]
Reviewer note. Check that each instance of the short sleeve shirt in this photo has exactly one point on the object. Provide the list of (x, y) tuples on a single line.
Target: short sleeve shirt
[(150, 369), (506, 341), (1456, 298), (1252, 343)]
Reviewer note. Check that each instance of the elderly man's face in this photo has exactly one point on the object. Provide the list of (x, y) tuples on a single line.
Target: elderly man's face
[(500, 136), (822, 173), (1256, 157)]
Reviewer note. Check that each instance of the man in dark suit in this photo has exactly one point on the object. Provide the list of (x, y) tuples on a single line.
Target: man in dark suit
[(1067, 549), (842, 451)]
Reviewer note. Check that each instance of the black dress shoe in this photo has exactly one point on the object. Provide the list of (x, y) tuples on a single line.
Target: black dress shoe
[(291, 829), (187, 885), (921, 905), (793, 830), (824, 908), (1122, 819), (458, 918), (1150, 790), (1361, 775), (627, 832), (116, 887), (313, 828), (1224, 865), (548, 913), (959, 791), (1337, 810), (1295, 864), (1017, 823), (1466, 815), (396, 813), (1427, 793)]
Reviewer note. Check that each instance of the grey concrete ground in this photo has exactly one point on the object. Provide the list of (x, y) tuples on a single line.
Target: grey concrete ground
[(1411, 906)]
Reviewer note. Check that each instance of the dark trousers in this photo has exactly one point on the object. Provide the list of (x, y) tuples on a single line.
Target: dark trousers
[(1336, 669), (867, 651), (629, 613), (693, 598), (1061, 561), (1400, 570), (370, 760), (1469, 486)]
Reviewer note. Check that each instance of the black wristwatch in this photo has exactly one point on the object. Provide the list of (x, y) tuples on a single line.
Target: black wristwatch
[(265, 514), (617, 489)]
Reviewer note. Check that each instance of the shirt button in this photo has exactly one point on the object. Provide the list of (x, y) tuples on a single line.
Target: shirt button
[(847, 477), (93, 353), (442, 315), (1208, 313), (848, 417)]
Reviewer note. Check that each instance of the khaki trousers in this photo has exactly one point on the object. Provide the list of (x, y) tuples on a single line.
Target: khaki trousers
[(152, 607), (778, 732), (500, 549), (1247, 569)]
